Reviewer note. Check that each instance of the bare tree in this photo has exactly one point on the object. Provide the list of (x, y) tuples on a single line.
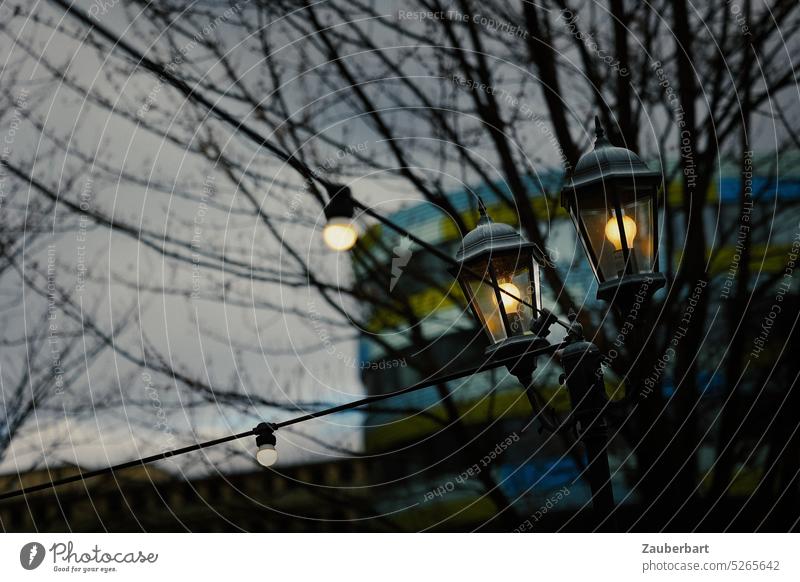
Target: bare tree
[(421, 102)]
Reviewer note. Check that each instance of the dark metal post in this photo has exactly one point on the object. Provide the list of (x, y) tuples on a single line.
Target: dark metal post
[(584, 378)]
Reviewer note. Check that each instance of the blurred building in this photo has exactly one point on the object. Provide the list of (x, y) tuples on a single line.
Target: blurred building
[(314, 497)]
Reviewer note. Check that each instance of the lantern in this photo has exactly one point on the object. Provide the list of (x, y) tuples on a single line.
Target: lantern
[(612, 199), (499, 275)]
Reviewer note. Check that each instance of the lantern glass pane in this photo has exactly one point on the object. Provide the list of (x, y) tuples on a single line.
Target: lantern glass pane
[(514, 275), (605, 238), (644, 242), (585, 243), (518, 274), (485, 302)]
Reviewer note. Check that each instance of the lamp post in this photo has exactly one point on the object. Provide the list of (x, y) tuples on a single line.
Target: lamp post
[(587, 394), (612, 198), (494, 256)]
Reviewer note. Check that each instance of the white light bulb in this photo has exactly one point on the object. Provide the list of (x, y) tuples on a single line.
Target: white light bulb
[(613, 235), (340, 234), (267, 455), (510, 304)]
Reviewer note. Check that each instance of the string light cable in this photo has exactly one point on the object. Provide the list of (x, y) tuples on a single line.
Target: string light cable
[(265, 431)]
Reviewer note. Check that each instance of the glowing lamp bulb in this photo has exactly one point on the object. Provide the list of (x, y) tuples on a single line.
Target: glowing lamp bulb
[(340, 234), (613, 234), (265, 441), (267, 455), (510, 304)]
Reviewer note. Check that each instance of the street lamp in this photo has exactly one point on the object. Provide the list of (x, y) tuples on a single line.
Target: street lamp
[(340, 232), (499, 275), (612, 198)]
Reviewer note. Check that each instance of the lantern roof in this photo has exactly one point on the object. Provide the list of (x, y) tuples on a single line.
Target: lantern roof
[(606, 162), (489, 238)]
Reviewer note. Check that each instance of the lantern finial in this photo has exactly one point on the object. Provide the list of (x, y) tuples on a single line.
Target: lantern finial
[(599, 132), (575, 332)]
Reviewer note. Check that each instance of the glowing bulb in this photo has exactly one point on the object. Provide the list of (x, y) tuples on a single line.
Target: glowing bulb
[(340, 234), (613, 235), (510, 304), (267, 455)]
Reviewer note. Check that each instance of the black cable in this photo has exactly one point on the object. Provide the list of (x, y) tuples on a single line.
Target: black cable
[(485, 366), (490, 365), (127, 465)]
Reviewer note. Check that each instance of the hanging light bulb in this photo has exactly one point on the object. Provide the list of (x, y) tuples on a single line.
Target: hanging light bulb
[(266, 455), (613, 234), (340, 234)]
